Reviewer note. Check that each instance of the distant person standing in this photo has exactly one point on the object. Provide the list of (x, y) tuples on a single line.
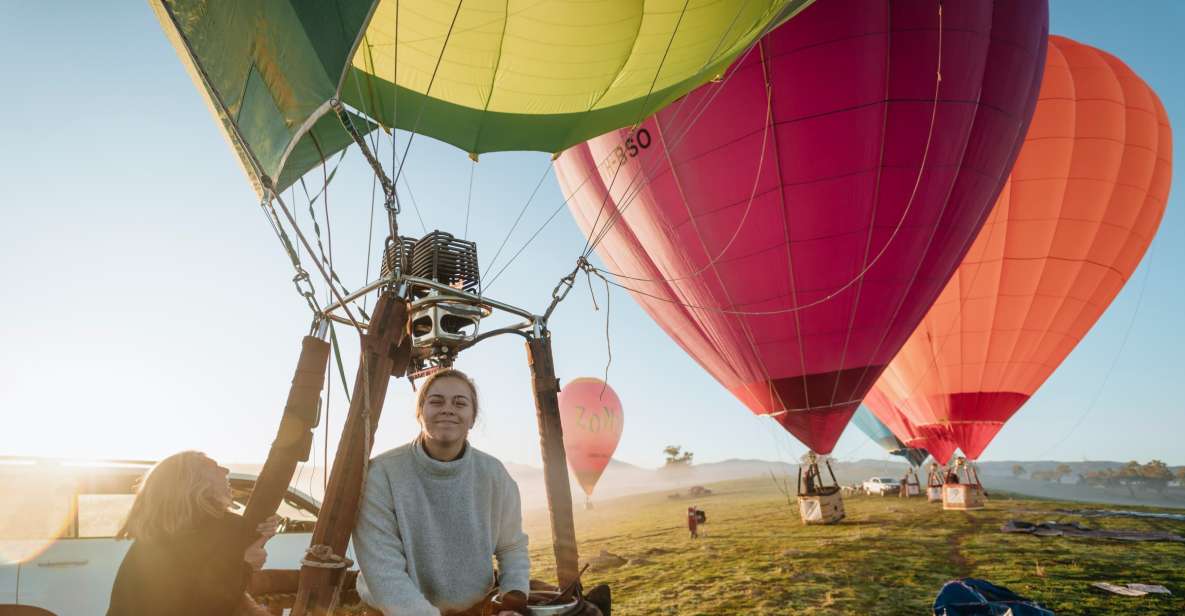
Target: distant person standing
[(692, 522), (701, 519)]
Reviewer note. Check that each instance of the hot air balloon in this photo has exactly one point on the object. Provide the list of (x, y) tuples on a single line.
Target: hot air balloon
[(880, 434), (1084, 199), (482, 75), (789, 226), (936, 443), (592, 420), (291, 83)]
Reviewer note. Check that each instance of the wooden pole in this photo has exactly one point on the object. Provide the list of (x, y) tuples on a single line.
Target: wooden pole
[(384, 347), (294, 438), (555, 465)]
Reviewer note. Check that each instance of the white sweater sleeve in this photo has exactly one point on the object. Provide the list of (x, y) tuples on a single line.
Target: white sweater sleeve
[(377, 546), (514, 562)]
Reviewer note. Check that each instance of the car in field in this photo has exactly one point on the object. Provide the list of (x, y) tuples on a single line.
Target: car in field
[(58, 522), (882, 486)]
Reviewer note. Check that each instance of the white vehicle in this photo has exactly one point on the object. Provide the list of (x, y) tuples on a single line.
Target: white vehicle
[(57, 526), (882, 486)]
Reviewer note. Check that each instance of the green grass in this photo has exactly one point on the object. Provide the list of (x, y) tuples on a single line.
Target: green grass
[(890, 556)]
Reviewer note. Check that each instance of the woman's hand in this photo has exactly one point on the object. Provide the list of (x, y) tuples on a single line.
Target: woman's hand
[(255, 555), (510, 603), (268, 527)]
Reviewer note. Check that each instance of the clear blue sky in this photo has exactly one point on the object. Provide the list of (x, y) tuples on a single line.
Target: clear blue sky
[(147, 307)]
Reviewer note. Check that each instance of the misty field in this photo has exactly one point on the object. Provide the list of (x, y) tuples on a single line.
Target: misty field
[(890, 556)]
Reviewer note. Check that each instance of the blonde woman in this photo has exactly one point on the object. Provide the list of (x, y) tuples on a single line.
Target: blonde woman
[(190, 554), (436, 514)]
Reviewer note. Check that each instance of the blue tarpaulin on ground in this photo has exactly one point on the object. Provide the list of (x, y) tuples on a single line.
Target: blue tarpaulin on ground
[(972, 597)]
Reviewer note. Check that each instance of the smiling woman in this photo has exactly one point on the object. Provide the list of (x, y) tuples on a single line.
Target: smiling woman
[(434, 513)]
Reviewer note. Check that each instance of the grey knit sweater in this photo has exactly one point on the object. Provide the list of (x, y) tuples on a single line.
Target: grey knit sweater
[(428, 532)]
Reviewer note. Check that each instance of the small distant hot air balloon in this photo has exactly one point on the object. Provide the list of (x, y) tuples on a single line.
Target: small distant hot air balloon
[(937, 443), (789, 226), (1084, 199), (880, 434), (591, 415)]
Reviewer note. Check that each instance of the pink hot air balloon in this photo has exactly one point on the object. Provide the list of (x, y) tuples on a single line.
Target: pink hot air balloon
[(790, 225), (591, 415)]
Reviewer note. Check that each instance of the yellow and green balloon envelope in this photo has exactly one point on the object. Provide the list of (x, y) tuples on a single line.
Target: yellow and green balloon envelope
[(482, 75)]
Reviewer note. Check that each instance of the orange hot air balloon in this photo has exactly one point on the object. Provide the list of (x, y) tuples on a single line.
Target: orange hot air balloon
[(590, 412), (1084, 199)]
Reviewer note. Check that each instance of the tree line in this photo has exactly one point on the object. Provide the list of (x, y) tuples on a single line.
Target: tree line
[(1153, 476)]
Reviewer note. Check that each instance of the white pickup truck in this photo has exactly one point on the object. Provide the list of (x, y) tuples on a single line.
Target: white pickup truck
[(882, 486), (58, 522)]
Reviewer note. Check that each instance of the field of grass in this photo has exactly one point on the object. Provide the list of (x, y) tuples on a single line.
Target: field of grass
[(890, 556)]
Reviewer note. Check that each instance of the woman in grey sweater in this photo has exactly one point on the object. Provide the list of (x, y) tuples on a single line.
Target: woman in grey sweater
[(437, 512)]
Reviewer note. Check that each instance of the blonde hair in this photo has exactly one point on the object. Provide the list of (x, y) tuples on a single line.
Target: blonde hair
[(447, 373), (170, 498)]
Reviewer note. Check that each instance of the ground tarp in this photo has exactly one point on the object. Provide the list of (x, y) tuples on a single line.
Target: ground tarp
[(1062, 529), (972, 597)]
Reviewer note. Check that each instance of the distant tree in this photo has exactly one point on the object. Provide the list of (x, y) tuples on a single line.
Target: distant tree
[(1101, 478), (1063, 470), (1156, 475), (1043, 476), (1181, 476), (1130, 476), (676, 457), (1017, 470)]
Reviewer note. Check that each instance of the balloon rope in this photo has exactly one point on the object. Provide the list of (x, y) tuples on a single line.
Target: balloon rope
[(301, 279), (390, 188), (593, 232), (744, 216), (589, 273), (702, 102), (519, 218), (375, 140), (695, 117), (594, 236), (370, 237), (469, 199), (325, 257), (320, 268), (643, 178), (641, 114)]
